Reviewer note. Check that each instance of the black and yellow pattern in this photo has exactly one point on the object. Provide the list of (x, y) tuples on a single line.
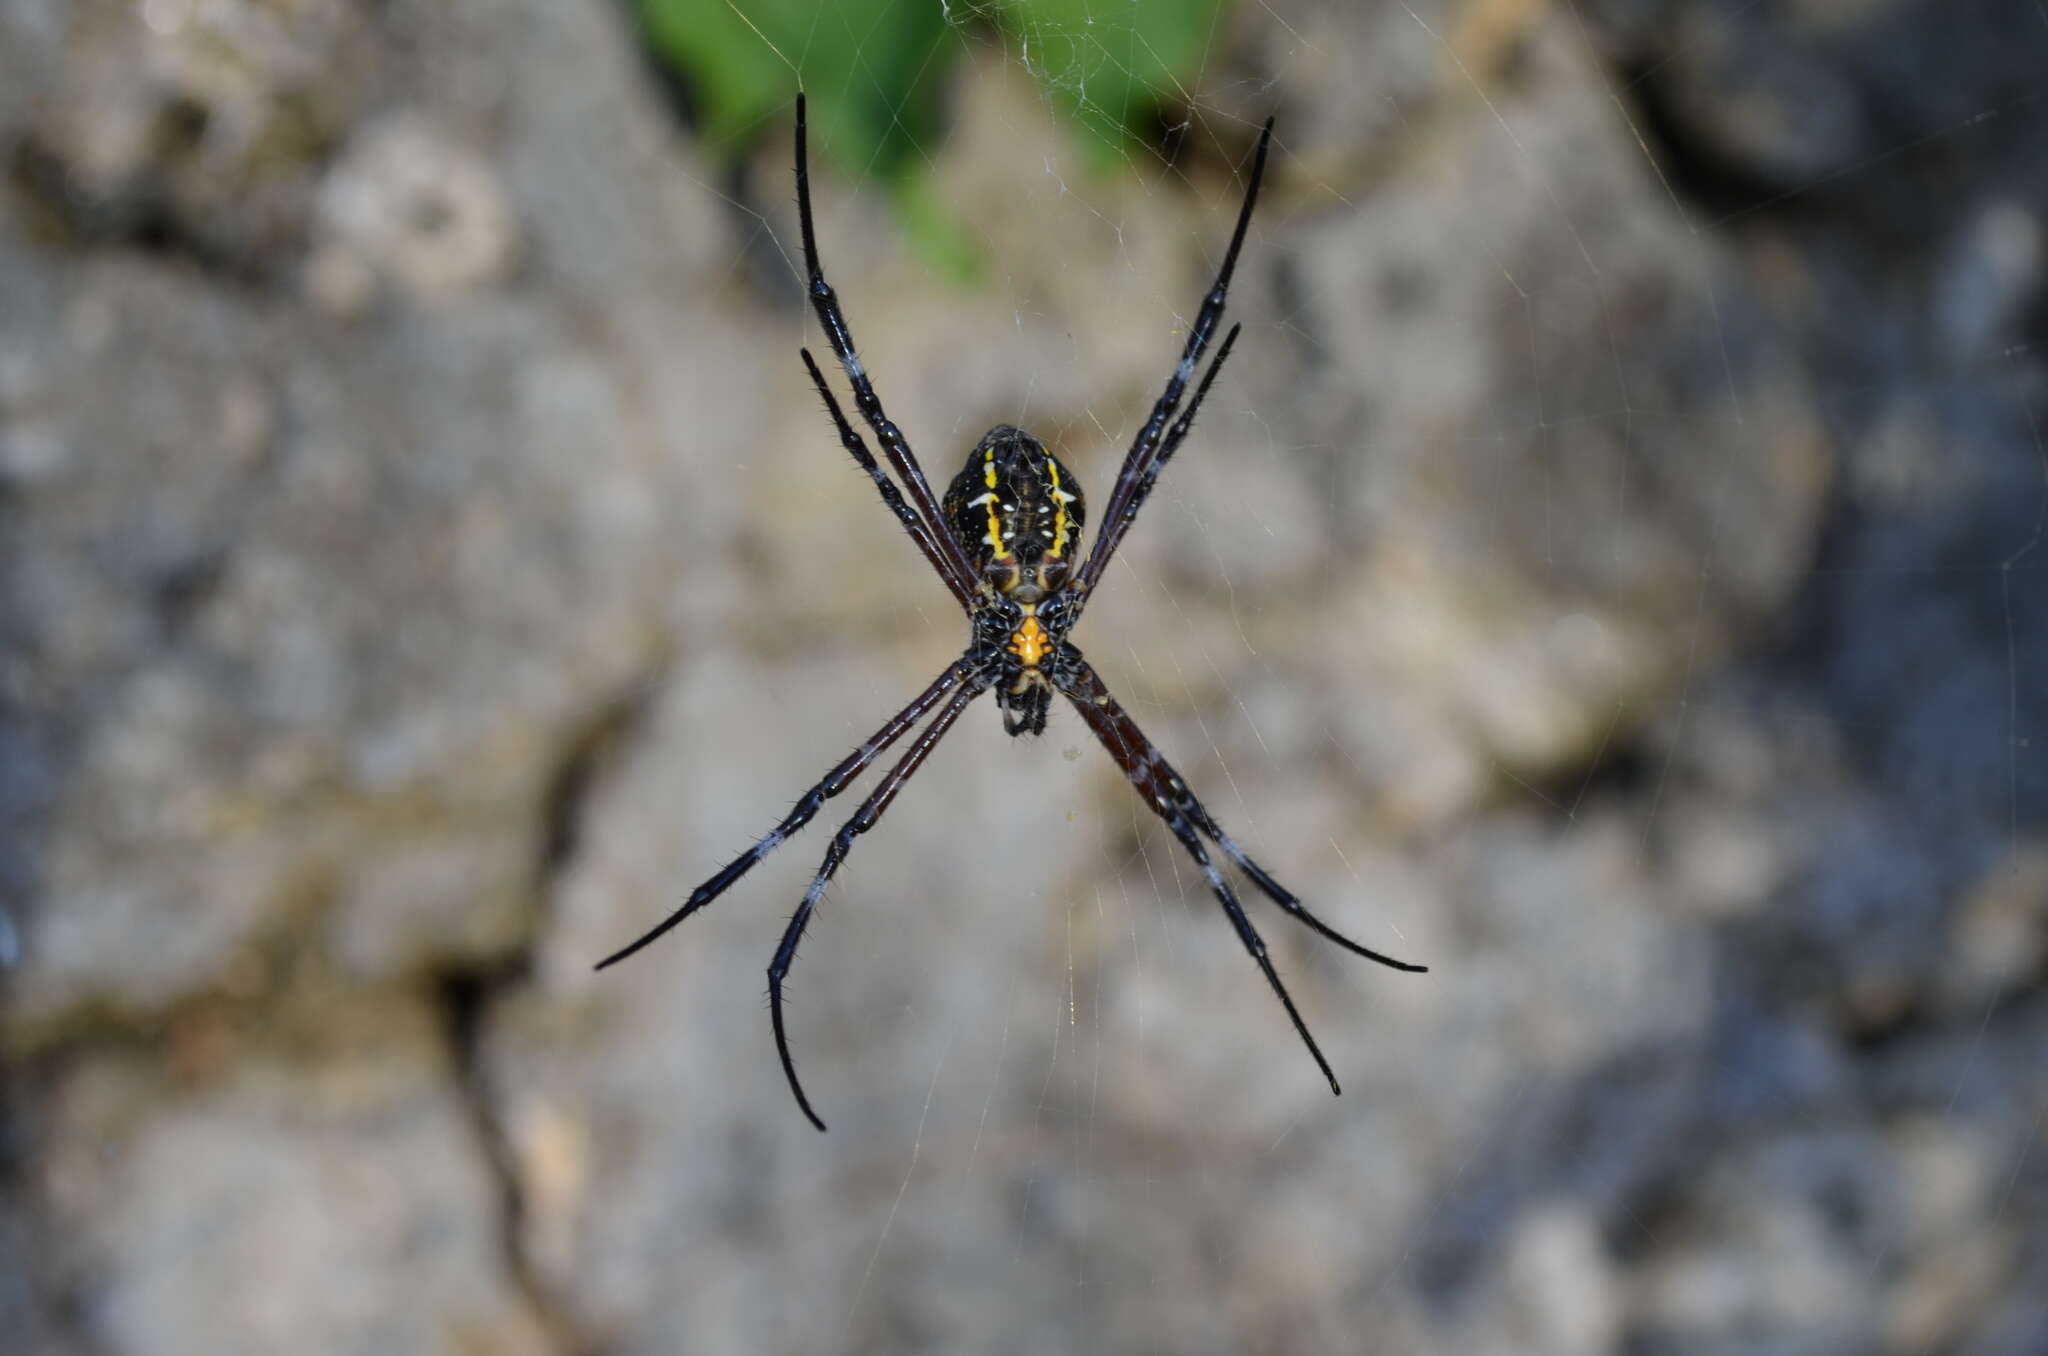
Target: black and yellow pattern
[(1004, 542), (1018, 512)]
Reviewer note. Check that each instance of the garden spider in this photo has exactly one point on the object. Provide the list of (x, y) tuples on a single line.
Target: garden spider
[(1003, 540)]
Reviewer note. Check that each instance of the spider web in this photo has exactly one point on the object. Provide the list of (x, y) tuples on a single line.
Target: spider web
[(1555, 591)]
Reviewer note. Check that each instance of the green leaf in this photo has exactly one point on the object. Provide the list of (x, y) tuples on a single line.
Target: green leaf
[(874, 71), (1111, 63)]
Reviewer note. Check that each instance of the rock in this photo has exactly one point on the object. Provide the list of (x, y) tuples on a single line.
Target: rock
[(311, 619), (1602, 574), (256, 1186), (199, 124), (408, 204)]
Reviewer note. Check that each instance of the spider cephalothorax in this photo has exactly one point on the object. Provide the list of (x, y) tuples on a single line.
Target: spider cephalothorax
[(1019, 513), (1004, 543)]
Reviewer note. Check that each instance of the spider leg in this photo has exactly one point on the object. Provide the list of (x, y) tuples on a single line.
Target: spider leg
[(1169, 797), (891, 496), (835, 781), (1111, 534), (1132, 758), (842, 842), (961, 573), (1146, 448), (1157, 778), (1247, 934), (1280, 895)]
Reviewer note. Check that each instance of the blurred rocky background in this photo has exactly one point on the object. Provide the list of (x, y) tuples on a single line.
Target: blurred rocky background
[(1610, 572)]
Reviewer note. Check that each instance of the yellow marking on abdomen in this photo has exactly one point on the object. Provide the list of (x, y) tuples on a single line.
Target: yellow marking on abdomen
[(1059, 497), (1028, 643), (995, 524)]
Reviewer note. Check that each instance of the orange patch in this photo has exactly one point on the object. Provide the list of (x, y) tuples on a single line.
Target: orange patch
[(1028, 643)]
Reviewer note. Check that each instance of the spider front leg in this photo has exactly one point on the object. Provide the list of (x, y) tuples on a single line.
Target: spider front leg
[(835, 781), (1169, 797), (951, 559), (842, 843), (1156, 441), (892, 498), (1135, 486)]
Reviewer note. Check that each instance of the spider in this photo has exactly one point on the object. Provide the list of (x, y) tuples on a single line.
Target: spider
[(1006, 541)]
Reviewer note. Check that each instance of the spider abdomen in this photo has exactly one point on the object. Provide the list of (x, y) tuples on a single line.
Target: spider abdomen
[(1018, 512)]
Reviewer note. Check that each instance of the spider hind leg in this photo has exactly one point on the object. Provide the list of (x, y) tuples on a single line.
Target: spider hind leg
[(842, 843), (807, 805), (1169, 798)]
